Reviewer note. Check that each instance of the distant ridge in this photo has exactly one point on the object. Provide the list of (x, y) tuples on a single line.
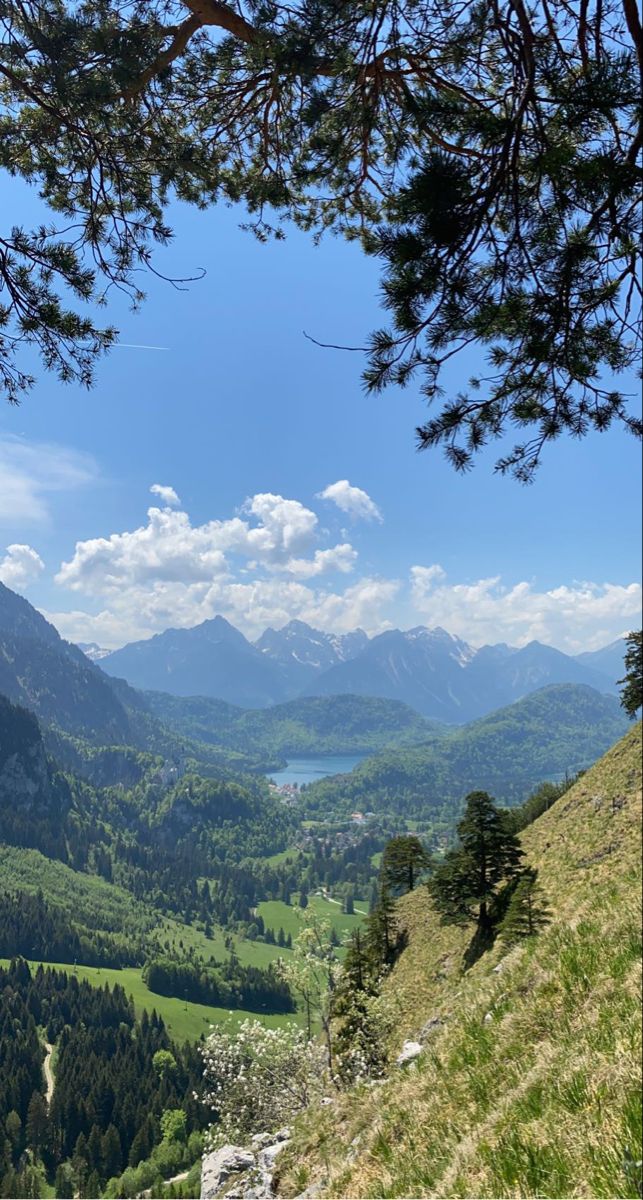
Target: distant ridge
[(439, 675)]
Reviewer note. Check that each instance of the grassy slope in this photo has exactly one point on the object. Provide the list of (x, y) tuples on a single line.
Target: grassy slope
[(532, 1085), (86, 899)]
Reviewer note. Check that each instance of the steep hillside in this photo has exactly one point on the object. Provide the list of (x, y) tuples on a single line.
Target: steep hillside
[(555, 731), (34, 798), (529, 1082)]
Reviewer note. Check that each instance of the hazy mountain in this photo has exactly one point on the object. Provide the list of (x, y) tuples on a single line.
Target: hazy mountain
[(53, 678), (608, 661), (93, 651), (424, 668), (212, 659), (437, 674), (303, 652), (444, 678), (501, 674)]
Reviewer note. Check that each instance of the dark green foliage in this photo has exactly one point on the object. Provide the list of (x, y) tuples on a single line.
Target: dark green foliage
[(108, 1098), (403, 861), (383, 940), (30, 927), (632, 682), (549, 734), (491, 163), (264, 738), (227, 985), (358, 1048), (465, 883), (527, 912)]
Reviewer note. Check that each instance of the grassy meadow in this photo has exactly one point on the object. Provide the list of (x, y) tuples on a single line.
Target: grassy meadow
[(185, 1021)]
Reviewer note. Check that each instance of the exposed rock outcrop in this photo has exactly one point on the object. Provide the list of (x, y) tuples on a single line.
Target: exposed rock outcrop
[(241, 1172)]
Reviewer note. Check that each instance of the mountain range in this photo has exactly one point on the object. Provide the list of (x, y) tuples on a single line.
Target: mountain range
[(436, 673)]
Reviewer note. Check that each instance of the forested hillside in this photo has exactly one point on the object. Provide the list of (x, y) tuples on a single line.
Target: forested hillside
[(115, 1077), (312, 725), (528, 1078), (556, 731)]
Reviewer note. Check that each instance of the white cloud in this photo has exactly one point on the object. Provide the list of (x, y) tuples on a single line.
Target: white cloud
[(352, 500), (573, 617), (31, 471), (251, 568), (271, 562), (20, 566), (166, 494), (140, 611), (169, 548), (338, 558)]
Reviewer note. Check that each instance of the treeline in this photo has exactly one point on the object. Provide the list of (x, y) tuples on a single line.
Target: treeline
[(227, 985), (30, 927), (115, 1076)]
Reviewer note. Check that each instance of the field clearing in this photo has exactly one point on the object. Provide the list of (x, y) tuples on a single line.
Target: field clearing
[(185, 1021), (249, 953), (275, 860), (276, 914)]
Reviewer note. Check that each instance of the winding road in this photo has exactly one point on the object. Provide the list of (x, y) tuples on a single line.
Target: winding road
[(49, 1075)]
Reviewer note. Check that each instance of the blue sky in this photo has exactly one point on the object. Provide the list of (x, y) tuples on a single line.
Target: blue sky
[(240, 405)]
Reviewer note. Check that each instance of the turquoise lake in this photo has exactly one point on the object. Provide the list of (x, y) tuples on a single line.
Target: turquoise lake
[(309, 770)]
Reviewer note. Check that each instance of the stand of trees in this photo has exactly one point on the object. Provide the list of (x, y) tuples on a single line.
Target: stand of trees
[(227, 985), (111, 1086), (632, 682), (30, 927)]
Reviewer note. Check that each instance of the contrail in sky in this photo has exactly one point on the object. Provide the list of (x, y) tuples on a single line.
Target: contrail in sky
[(135, 346)]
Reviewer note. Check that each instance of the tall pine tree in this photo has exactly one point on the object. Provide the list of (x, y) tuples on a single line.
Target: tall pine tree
[(403, 861), (528, 911), (464, 885)]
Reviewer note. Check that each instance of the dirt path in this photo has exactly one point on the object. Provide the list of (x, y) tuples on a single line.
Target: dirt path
[(49, 1075), (362, 912)]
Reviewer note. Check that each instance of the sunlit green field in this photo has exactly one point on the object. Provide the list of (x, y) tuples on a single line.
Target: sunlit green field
[(185, 1021), (288, 917), (253, 954)]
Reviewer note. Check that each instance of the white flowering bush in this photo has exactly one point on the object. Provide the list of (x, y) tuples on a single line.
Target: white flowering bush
[(258, 1079)]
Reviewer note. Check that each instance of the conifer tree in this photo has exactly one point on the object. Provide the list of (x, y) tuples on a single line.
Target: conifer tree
[(37, 1127), (403, 860), (93, 1186), (358, 1047), (64, 1185), (464, 885), (527, 912), (632, 689), (382, 932), (111, 1152)]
